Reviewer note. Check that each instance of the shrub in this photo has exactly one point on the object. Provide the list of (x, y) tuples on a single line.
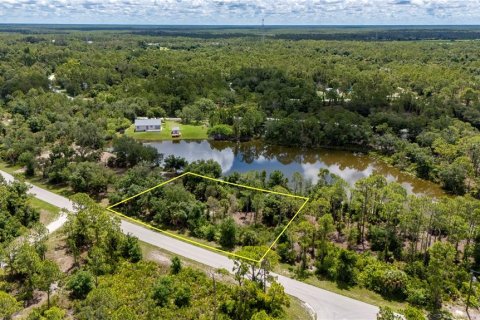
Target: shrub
[(162, 291), (209, 232), (412, 313), (183, 296), (176, 265), (9, 305), (386, 313), (346, 272), (228, 231), (221, 132), (326, 265), (81, 284), (249, 238), (130, 249), (418, 296), (286, 253), (385, 279), (394, 283)]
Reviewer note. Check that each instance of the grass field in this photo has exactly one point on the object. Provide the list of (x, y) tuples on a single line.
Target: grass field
[(190, 132), (8, 168), (48, 212)]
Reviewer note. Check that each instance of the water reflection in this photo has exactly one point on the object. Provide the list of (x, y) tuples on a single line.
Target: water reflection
[(243, 157)]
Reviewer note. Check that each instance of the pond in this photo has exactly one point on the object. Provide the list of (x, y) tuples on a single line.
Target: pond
[(258, 156)]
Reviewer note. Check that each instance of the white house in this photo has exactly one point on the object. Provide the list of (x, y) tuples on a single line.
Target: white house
[(142, 124)]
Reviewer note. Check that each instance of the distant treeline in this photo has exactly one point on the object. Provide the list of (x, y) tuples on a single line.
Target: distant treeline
[(387, 35), (324, 34), (360, 33)]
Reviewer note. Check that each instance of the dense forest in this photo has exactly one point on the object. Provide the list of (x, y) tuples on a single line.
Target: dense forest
[(67, 96), (413, 103)]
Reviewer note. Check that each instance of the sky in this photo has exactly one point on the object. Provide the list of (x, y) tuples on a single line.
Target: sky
[(242, 12)]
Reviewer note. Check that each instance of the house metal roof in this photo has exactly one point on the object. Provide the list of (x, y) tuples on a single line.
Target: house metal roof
[(148, 122)]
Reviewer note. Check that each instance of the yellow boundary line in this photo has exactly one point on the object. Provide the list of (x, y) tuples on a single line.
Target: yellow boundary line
[(109, 208)]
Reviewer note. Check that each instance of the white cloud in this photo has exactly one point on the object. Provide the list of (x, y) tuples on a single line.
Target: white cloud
[(242, 11)]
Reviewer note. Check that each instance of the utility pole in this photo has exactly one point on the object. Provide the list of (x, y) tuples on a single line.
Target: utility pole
[(263, 29)]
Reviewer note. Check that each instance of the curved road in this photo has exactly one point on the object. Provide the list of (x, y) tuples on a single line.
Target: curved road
[(327, 305)]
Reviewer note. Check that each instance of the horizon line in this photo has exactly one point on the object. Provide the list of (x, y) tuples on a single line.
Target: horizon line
[(236, 25)]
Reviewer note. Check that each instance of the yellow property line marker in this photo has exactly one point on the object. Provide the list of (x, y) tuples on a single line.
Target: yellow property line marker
[(173, 235)]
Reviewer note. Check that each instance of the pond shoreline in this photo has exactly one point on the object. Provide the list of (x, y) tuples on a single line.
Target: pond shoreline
[(256, 155)]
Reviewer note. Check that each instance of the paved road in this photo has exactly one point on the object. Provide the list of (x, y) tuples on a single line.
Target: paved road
[(326, 304)]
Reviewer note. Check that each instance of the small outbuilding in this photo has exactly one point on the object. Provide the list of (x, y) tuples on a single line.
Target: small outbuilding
[(176, 132), (142, 124)]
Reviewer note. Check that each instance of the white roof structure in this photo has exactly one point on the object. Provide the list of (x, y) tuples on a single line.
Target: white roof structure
[(148, 122)]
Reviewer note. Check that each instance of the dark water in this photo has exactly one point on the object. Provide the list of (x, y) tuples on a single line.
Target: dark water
[(243, 157)]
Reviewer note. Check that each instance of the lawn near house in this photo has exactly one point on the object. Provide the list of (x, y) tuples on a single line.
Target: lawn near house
[(189, 131)]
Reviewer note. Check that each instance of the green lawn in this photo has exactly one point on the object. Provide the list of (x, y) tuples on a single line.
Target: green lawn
[(48, 212), (190, 132), (8, 168)]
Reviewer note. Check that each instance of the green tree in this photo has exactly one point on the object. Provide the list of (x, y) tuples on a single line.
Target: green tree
[(454, 175), (345, 268), (367, 201), (28, 160), (27, 265), (173, 163), (130, 249), (228, 233), (440, 270), (97, 262), (162, 291), (53, 313), (89, 137), (304, 232), (298, 182), (8, 305), (183, 295), (257, 272), (81, 283), (277, 178), (48, 275), (276, 299), (92, 226), (221, 132), (89, 177), (325, 228), (176, 265), (129, 152)]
